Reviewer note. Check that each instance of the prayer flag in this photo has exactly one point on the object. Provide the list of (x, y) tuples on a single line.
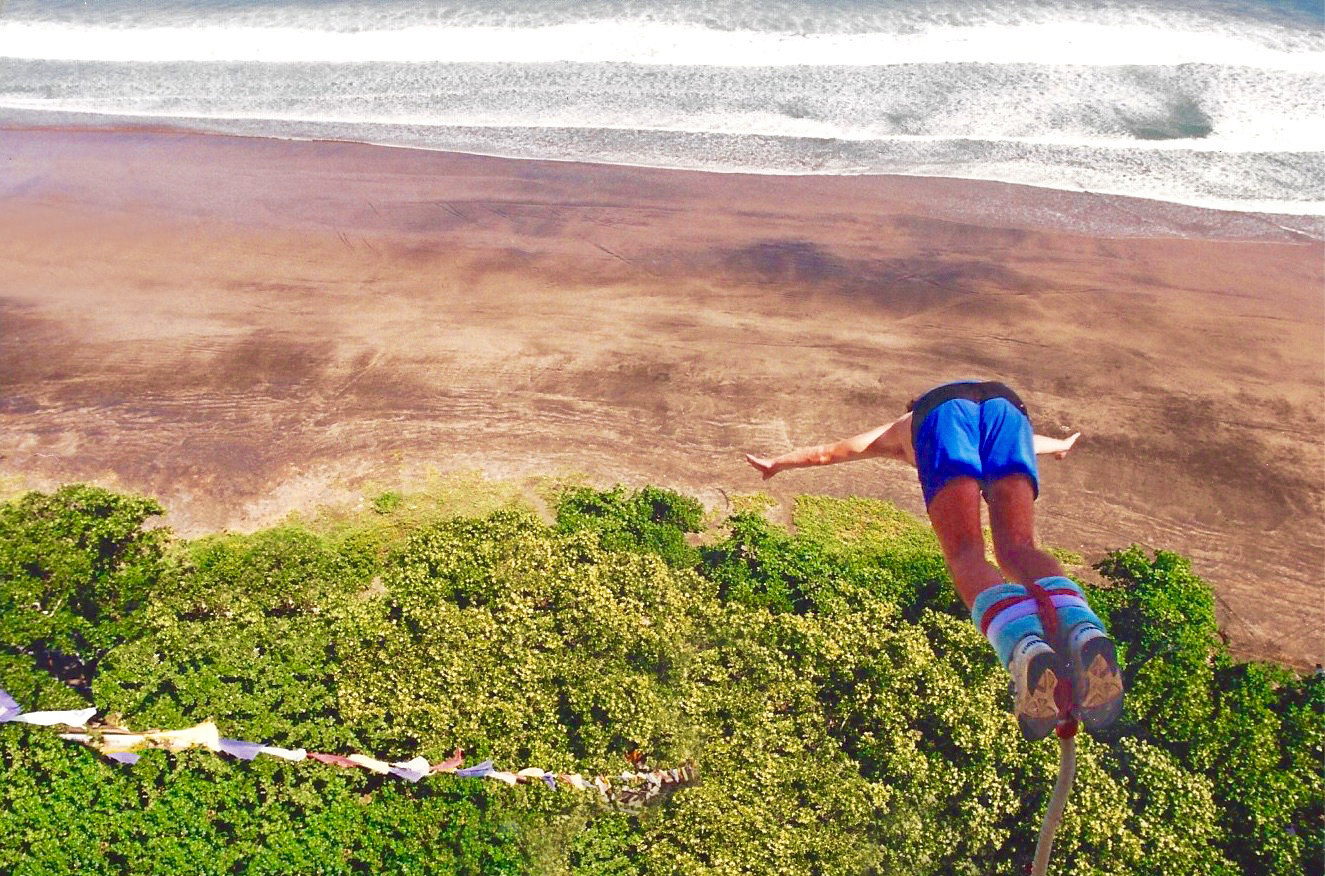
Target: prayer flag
[(451, 764), (240, 749), (575, 780), (121, 746), (112, 742), (411, 770), (371, 763), (203, 735), (9, 709), (70, 717), (476, 772)]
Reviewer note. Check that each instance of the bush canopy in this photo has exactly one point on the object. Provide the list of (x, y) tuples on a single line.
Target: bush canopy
[(844, 715)]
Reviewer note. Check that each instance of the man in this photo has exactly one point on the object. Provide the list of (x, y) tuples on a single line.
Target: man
[(969, 439)]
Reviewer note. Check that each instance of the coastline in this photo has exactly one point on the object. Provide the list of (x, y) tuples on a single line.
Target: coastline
[(246, 327), (1150, 212)]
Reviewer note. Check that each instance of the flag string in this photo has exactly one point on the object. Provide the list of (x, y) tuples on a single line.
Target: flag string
[(631, 788)]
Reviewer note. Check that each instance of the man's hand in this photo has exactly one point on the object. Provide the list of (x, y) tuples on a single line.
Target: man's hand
[(764, 466), (1068, 442), (1055, 447)]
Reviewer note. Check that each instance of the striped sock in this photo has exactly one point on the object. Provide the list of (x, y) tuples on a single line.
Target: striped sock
[(1070, 602), (1005, 613)]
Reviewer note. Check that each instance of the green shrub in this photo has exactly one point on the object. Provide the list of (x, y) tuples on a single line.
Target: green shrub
[(1243, 726), (1268, 776), (650, 520), (287, 570), (76, 567), (63, 810), (1302, 739), (1162, 616), (528, 643), (845, 715), (890, 552), (759, 566)]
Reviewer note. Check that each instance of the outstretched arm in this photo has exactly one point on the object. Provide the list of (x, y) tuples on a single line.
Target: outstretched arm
[(1058, 447), (888, 441)]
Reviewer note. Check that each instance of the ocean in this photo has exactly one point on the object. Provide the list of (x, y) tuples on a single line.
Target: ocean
[(1214, 103)]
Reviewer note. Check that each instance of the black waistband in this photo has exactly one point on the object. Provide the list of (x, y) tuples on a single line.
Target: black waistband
[(976, 392)]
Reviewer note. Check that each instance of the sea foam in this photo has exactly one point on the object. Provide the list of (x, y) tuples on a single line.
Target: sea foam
[(615, 42), (1199, 107)]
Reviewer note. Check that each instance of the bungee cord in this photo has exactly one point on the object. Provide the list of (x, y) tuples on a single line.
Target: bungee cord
[(1066, 731), (1067, 766)]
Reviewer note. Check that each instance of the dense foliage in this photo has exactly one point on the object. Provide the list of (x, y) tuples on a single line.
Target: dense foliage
[(845, 716)]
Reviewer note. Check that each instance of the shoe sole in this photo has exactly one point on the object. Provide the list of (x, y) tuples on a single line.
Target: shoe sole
[(1037, 713), (1097, 685)]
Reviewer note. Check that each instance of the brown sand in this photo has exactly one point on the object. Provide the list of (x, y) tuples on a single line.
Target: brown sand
[(245, 327)]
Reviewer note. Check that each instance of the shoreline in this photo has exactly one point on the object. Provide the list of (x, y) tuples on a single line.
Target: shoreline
[(1310, 226), (248, 327)]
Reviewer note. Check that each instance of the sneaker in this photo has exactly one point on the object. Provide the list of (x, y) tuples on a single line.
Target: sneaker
[(1097, 685), (1035, 670)]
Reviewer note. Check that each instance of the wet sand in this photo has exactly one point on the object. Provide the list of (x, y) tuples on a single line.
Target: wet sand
[(242, 328)]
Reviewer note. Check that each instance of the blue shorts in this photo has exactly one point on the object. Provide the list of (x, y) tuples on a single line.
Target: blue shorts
[(985, 441)]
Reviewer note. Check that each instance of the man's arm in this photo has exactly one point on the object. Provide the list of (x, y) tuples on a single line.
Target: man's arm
[(888, 441), (1058, 447)]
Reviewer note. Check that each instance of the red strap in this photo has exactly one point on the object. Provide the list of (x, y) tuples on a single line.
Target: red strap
[(993, 611), (1044, 606)]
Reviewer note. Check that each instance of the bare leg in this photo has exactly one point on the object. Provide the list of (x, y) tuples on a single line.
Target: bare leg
[(1012, 518), (1097, 686), (1033, 665), (954, 513)]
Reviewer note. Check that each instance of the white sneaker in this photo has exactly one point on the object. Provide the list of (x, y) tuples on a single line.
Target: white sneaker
[(1035, 670), (1097, 685)]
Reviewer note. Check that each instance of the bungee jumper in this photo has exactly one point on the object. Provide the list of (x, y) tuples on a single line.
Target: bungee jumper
[(970, 439)]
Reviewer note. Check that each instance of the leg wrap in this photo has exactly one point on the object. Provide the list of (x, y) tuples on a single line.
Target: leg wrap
[(1070, 602), (1006, 614)]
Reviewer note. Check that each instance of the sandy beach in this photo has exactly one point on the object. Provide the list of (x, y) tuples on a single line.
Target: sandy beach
[(246, 327)]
